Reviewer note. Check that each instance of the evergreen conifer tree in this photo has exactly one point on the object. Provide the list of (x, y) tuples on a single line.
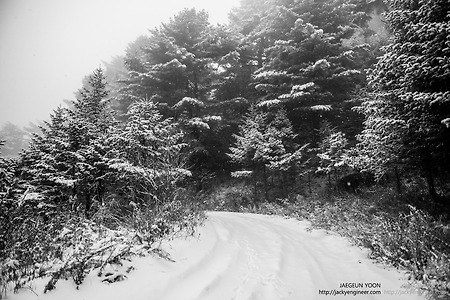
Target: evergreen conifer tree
[(408, 112), (265, 149), (67, 162), (148, 157)]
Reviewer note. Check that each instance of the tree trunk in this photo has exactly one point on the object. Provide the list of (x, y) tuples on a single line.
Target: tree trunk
[(266, 191), (195, 91), (330, 187), (309, 183), (260, 53), (398, 182), (255, 188), (428, 163), (88, 204), (431, 185), (101, 190)]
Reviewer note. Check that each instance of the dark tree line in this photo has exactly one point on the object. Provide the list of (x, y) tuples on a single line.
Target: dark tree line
[(291, 56), (289, 90)]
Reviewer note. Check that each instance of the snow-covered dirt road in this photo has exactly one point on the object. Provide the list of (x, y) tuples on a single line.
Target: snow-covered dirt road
[(245, 256)]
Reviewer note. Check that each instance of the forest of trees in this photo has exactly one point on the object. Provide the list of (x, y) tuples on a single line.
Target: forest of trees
[(292, 98)]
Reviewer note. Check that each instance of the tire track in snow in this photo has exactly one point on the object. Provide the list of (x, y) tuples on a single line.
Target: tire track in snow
[(263, 266), (207, 271), (242, 257), (264, 257)]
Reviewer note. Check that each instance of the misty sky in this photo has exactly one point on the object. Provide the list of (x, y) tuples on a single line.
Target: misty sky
[(48, 46)]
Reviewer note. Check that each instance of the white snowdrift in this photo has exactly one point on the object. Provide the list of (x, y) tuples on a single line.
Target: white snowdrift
[(244, 256)]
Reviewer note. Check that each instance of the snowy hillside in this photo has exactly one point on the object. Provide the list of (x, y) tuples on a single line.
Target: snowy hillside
[(243, 256)]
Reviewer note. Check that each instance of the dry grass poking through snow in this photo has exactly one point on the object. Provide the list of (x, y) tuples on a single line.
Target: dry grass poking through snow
[(79, 246)]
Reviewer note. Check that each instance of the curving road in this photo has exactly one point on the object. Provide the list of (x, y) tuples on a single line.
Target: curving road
[(244, 256)]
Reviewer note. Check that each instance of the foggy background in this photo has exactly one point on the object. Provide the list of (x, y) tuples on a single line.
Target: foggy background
[(48, 46)]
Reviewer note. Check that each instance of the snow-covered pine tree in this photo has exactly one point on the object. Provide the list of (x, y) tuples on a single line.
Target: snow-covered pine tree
[(172, 63), (67, 162), (331, 152), (184, 59), (408, 112), (148, 157), (303, 61), (91, 121), (91, 108), (48, 165), (287, 158), (265, 149), (7, 205), (6, 174)]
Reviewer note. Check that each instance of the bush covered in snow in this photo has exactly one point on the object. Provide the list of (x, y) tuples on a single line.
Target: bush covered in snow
[(72, 247)]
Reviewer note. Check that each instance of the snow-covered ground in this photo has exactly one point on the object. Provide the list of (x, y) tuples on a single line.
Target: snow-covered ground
[(245, 256)]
